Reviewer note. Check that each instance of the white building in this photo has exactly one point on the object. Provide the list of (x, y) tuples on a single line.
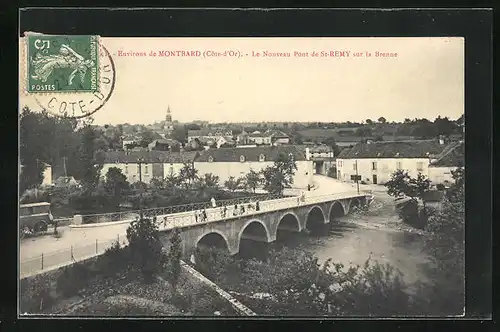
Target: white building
[(259, 138), (237, 162), (375, 162), (150, 164), (210, 135)]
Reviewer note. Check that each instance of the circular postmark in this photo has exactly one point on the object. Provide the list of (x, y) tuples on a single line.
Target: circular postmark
[(79, 105)]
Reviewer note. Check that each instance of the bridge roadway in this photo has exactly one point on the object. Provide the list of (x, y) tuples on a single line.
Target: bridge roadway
[(83, 243)]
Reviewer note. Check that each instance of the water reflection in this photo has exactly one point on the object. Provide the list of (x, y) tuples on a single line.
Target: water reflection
[(348, 243)]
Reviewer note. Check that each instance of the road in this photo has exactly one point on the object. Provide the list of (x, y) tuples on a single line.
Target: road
[(83, 242)]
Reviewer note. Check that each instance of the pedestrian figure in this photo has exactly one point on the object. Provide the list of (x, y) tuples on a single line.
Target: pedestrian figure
[(308, 187), (235, 210), (214, 205), (257, 206), (204, 215), (196, 215), (224, 211), (242, 209), (165, 222), (249, 207)]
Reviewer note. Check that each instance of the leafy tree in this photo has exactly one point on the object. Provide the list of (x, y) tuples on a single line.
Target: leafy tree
[(145, 247), (179, 134), (157, 183), (174, 259), (401, 184), (280, 175), (331, 143), (116, 183), (210, 180), (192, 126), (188, 174), (443, 126), (419, 186), (148, 136), (253, 180), (172, 181), (446, 245), (89, 169), (369, 121), (382, 120), (233, 184)]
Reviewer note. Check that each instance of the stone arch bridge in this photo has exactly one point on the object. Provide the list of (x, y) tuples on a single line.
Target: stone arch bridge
[(288, 214)]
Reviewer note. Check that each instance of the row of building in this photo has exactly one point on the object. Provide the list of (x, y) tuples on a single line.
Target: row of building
[(371, 162)]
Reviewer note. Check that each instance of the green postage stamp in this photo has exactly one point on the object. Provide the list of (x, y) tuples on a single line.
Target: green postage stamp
[(62, 63)]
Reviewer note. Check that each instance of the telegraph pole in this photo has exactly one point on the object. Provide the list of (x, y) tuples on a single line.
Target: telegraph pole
[(357, 176)]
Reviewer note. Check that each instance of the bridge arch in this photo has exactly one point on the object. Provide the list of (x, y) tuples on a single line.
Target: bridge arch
[(214, 239), (288, 221), (336, 211), (255, 227)]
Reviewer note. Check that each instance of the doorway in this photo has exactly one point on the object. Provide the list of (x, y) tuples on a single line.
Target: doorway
[(374, 179)]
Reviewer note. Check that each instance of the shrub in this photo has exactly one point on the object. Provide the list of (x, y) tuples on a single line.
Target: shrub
[(114, 260), (35, 294), (410, 214), (145, 247), (73, 279)]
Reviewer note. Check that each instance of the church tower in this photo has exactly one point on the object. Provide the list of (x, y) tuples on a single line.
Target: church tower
[(169, 125)]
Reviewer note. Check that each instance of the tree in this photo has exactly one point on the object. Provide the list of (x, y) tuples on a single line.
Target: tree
[(369, 121), (174, 259), (446, 246), (253, 180), (188, 174), (331, 143), (443, 126), (382, 120), (148, 136), (145, 247), (89, 169), (172, 181), (210, 180), (280, 175), (233, 184), (179, 134), (116, 183), (401, 184)]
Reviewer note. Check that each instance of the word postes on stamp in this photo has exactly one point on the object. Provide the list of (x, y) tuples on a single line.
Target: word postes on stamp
[(69, 76), (62, 63)]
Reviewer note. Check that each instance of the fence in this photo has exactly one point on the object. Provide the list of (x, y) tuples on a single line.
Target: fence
[(49, 261), (55, 259), (153, 212)]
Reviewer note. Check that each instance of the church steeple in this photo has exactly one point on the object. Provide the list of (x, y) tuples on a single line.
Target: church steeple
[(169, 115), (169, 125)]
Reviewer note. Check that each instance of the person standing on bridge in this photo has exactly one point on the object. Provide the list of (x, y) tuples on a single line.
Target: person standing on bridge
[(204, 214), (196, 216), (214, 204), (235, 210), (242, 209), (257, 206)]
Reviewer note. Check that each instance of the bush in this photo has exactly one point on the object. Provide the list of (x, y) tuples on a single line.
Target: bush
[(410, 214), (145, 247), (73, 279), (114, 260), (35, 294)]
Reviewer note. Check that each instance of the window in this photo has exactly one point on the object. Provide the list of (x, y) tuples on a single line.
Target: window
[(126, 168), (262, 157), (374, 165), (171, 170), (145, 169), (340, 163), (399, 165), (420, 166), (210, 159), (242, 158)]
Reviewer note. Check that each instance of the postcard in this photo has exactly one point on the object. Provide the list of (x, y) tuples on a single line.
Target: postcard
[(231, 177)]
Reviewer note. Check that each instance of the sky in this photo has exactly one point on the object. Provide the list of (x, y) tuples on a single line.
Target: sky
[(424, 80)]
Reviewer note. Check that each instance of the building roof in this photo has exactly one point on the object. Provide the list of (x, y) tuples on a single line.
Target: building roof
[(451, 156), (251, 153), (258, 134), (165, 141), (123, 157), (394, 149), (201, 132)]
